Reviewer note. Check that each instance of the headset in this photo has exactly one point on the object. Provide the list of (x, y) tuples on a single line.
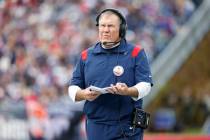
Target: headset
[(123, 24)]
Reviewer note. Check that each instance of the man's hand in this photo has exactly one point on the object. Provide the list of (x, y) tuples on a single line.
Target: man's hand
[(86, 94), (119, 88), (123, 89)]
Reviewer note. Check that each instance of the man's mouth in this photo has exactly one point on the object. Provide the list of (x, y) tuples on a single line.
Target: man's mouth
[(106, 36)]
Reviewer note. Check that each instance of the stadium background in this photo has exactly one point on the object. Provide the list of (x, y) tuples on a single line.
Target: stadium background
[(40, 41)]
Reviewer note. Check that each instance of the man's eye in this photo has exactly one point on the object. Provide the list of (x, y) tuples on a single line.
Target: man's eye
[(102, 25)]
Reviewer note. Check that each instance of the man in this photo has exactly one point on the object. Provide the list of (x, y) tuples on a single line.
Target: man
[(121, 67)]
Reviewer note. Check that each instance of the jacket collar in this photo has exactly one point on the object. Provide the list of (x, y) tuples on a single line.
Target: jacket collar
[(118, 49)]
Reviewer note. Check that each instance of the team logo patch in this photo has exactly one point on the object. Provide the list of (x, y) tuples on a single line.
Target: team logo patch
[(118, 70)]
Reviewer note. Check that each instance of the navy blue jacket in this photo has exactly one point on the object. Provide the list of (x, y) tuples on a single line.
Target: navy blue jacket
[(95, 67)]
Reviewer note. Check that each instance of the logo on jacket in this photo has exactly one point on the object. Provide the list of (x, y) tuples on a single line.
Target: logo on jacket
[(118, 70)]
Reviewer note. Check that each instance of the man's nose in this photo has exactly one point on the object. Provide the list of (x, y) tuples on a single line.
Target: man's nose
[(106, 29)]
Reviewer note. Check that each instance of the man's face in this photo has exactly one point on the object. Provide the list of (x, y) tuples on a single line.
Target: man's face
[(109, 25)]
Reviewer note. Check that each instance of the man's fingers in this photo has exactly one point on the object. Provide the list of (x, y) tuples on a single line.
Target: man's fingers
[(114, 89), (92, 96)]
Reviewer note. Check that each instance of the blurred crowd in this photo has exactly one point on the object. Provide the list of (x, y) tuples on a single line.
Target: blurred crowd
[(40, 41)]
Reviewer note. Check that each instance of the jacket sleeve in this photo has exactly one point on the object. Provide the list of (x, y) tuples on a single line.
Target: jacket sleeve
[(142, 68), (78, 75)]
